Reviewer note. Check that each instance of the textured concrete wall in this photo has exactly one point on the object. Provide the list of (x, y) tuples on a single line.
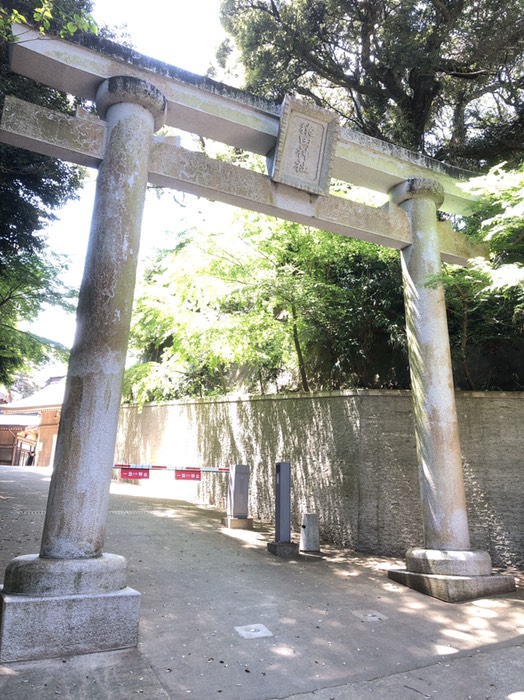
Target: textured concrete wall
[(353, 461)]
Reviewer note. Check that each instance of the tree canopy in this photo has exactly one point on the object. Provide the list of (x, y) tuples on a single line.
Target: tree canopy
[(32, 187), (486, 300), (274, 305), (267, 305), (442, 77), (30, 282), (62, 17)]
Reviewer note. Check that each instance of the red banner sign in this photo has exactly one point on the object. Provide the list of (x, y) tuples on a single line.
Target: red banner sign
[(188, 475), (134, 473)]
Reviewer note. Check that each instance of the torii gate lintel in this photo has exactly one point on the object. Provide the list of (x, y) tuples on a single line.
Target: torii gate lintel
[(81, 140)]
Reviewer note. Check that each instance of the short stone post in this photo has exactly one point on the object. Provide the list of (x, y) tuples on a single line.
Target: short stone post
[(73, 598), (310, 533), (238, 499), (445, 567), (282, 546)]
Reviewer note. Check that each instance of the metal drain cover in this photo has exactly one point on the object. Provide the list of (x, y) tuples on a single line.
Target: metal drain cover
[(253, 631), (369, 615)]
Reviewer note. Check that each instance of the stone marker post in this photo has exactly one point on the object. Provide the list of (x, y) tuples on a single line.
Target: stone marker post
[(72, 579), (445, 567), (283, 546), (238, 499)]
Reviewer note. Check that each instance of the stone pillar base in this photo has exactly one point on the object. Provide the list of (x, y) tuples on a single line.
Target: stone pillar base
[(454, 589), (452, 576), (44, 627), (61, 607), (286, 550), (238, 523)]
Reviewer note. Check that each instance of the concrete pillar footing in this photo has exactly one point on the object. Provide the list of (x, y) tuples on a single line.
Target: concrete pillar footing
[(60, 607), (238, 523), (37, 576), (451, 575), (448, 562), (454, 589), (44, 627), (286, 550)]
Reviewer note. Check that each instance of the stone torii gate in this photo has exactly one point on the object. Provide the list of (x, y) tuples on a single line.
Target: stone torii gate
[(72, 597)]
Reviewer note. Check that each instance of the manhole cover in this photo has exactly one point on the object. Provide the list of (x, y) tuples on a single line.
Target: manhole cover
[(369, 615), (253, 631)]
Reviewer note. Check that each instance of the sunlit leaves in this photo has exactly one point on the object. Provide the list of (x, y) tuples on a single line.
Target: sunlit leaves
[(267, 306), (26, 285), (486, 300), (502, 215), (60, 17), (32, 187)]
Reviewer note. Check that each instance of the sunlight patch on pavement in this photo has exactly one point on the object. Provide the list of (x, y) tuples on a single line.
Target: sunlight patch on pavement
[(441, 650)]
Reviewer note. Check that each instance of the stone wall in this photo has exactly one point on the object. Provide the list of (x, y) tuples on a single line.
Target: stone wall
[(353, 461)]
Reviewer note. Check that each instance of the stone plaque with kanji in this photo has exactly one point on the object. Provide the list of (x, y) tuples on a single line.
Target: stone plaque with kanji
[(306, 145)]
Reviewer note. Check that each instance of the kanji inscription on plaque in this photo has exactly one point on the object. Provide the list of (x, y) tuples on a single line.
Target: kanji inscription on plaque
[(305, 149)]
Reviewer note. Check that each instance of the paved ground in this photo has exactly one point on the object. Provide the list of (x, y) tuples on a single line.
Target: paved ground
[(340, 630)]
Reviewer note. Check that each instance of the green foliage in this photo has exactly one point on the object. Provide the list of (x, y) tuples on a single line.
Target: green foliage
[(31, 188), (444, 78), (180, 329), (485, 301), (267, 306), (501, 216), (441, 78), (486, 330), (28, 283), (335, 299), (31, 185), (64, 18)]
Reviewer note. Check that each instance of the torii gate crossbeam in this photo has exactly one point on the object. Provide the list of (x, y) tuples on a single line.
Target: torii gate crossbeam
[(202, 106), (72, 578)]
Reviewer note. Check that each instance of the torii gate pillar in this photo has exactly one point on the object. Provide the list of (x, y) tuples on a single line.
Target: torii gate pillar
[(73, 598), (445, 567)]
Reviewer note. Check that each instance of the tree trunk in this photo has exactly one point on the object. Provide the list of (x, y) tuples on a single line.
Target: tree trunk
[(300, 357), (463, 352)]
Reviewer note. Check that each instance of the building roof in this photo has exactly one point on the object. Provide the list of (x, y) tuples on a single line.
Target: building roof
[(19, 421), (51, 396)]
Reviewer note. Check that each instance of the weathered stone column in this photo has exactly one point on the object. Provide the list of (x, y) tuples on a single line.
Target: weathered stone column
[(73, 598), (445, 567), (93, 391)]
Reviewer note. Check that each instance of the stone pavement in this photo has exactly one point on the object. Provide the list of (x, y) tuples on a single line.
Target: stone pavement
[(336, 628)]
